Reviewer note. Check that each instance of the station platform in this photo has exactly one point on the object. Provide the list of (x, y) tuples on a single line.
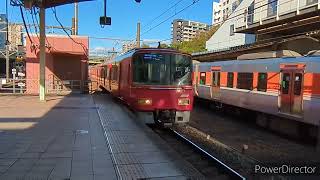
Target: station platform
[(81, 137)]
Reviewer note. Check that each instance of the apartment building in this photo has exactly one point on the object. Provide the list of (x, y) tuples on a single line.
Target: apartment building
[(225, 37), (15, 36), (3, 28), (223, 9), (184, 30), (128, 46)]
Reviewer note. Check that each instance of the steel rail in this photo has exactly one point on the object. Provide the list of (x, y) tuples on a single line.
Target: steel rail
[(226, 167)]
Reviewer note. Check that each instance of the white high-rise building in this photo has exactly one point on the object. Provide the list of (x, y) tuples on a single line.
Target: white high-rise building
[(216, 13), (184, 30), (222, 10)]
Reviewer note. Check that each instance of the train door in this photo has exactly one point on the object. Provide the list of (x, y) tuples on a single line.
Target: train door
[(291, 95), (215, 84), (196, 76)]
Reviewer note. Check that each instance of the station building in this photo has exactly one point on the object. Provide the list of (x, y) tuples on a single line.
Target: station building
[(66, 63)]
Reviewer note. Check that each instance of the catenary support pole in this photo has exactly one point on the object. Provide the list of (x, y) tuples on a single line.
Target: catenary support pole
[(42, 55), (7, 62), (138, 35), (76, 16), (7, 45)]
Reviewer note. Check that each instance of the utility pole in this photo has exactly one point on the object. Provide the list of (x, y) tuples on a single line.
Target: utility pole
[(7, 46), (7, 62), (42, 83), (76, 7), (138, 35)]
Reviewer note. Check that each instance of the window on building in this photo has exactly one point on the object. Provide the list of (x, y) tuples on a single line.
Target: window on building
[(232, 30), (230, 77), (245, 81), (272, 7), (250, 15), (234, 5), (202, 78), (262, 82), (309, 2)]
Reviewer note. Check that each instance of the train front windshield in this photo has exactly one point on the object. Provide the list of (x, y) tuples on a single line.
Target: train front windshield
[(162, 69)]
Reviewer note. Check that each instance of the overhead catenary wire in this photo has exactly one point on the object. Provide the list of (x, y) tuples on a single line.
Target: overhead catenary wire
[(33, 13), (185, 8), (160, 15), (81, 44), (157, 17), (25, 25), (176, 13)]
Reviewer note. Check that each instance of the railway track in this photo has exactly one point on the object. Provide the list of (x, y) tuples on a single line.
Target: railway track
[(210, 166)]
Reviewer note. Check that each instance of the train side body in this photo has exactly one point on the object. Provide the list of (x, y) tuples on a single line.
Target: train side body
[(284, 87)]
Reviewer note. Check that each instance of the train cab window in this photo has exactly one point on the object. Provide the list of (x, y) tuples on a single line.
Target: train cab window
[(262, 82), (297, 84), (245, 81), (230, 77), (202, 78), (162, 69), (285, 83)]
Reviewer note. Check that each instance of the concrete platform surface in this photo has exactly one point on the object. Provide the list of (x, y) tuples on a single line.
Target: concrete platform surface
[(81, 137), (59, 139)]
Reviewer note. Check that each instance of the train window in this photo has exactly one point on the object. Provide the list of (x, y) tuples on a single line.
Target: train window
[(245, 81), (106, 72), (162, 69), (285, 83), (102, 72), (202, 78), (262, 82), (218, 82), (297, 84), (215, 78), (230, 79), (114, 73)]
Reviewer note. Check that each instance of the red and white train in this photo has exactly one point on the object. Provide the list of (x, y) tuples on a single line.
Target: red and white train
[(150, 80), (286, 87)]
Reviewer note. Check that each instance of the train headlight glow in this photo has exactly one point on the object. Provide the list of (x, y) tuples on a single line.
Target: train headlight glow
[(145, 101), (184, 101)]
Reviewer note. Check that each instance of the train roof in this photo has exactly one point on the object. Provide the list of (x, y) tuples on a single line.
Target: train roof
[(269, 54), (302, 59), (133, 51)]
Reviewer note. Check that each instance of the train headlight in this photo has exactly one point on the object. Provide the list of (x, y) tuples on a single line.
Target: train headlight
[(145, 101), (184, 101)]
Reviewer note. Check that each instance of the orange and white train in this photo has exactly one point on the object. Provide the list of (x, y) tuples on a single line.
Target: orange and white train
[(286, 87)]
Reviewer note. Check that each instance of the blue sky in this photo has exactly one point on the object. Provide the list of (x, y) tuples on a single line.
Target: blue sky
[(125, 14)]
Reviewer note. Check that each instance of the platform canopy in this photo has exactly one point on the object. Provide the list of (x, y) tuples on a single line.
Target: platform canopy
[(49, 3)]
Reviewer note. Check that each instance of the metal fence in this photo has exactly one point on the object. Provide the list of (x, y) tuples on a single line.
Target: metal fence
[(60, 87)]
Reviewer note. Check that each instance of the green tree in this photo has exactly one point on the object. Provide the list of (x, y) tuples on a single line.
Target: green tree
[(145, 45), (197, 44)]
